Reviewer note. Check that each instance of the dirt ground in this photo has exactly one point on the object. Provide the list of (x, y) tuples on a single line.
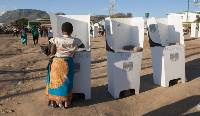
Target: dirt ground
[(23, 80)]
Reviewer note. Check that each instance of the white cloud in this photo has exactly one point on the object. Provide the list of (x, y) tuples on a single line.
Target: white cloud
[(105, 9), (1, 12), (2, 6), (14, 8)]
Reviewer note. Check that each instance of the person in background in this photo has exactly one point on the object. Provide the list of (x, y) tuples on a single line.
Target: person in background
[(15, 32), (50, 34), (23, 36), (45, 32), (60, 74), (41, 31), (35, 34), (189, 30), (102, 30), (26, 29)]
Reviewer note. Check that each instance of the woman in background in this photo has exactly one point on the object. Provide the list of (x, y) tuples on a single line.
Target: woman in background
[(23, 36)]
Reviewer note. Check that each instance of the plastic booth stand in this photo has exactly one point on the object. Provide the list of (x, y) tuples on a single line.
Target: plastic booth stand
[(168, 61), (82, 63), (123, 67), (194, 29)]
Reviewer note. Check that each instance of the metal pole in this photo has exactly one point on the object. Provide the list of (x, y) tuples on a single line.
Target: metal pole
[(188, 10), (112, 8)]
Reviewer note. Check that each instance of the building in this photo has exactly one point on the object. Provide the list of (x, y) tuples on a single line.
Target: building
[(44, 22), (187, 17)]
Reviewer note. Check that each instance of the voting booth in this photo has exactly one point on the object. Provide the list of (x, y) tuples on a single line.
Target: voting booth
[(194, 30), (123, 67), (167, 49), (95, 30), (82, 63)]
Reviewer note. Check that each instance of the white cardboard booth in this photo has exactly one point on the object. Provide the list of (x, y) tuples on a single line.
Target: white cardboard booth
[(168, 61), (95, 30), (123, 67), (82, 63), (194, 29)]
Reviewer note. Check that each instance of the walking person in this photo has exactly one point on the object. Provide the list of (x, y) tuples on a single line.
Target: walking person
[(15, 32), (35, 34), (50, 34), (41, 31), (23, 36), (61, 68), (45, 32)]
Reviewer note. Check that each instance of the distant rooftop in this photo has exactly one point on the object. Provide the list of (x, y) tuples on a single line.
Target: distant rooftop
[(43, 19), (185, 12)]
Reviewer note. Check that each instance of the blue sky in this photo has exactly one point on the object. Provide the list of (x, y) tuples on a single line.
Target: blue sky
[(156, 8)]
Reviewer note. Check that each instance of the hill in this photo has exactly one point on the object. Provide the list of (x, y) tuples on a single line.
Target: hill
[(30, 14)]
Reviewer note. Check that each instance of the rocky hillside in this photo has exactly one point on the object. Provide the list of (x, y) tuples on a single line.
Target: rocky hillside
[(30, 14)]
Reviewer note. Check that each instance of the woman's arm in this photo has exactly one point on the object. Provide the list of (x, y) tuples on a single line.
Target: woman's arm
[(81, 46), (53, 49)]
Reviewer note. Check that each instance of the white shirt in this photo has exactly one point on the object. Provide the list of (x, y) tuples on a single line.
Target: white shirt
[(66, 46)]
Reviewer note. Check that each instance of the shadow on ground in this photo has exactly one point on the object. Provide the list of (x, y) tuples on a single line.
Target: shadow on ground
[(26, 71), (192, 69), (192, 48), (190, 39), (177, 108), (97, 48), (98, 61), (99, 95), (22, 79), (22, 93), (146, 83)]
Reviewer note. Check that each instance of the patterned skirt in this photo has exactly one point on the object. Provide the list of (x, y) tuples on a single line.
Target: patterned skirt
[(23, 38), (60, 81)]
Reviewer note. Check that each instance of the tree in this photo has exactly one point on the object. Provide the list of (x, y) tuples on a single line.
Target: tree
[(197, 20), (59, 13), (122, 15), (20, 22), (129, 15)]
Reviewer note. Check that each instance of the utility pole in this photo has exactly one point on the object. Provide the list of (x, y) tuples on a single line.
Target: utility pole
[(112, 8), (188, 9)]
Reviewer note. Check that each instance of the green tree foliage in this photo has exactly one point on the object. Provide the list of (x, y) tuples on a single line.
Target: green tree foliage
[(59, 13), (20, 22), (122, 15), (197, 20)]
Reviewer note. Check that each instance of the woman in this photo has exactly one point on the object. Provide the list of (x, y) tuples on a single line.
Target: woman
[(61, 68), (23, 36)]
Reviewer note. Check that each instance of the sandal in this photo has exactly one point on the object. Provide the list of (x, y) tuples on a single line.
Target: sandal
[(198, 106), (52, 104), (68, 105)]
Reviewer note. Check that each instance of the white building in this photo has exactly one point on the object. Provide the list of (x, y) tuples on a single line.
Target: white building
[(187, 17)]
